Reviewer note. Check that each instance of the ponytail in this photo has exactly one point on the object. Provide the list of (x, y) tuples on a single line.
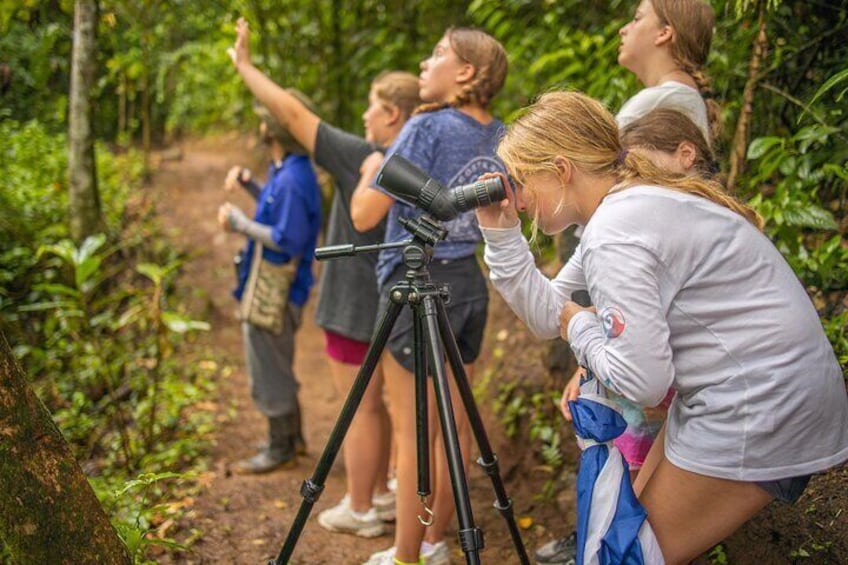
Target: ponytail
[(692, 22)]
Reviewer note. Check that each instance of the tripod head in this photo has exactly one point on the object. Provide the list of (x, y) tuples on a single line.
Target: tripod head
[(426, 233)]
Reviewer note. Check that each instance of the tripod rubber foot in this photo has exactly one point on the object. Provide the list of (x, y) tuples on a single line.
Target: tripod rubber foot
[(311, 491), (471, 539)]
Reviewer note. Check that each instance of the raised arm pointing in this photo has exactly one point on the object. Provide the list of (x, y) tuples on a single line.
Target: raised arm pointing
[(286, 108)]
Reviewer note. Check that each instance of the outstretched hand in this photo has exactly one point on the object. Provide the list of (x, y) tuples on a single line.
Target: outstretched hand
[(240, 52), (500, 214)]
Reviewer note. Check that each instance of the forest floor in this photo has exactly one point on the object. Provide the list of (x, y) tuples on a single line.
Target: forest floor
[(244, 519)]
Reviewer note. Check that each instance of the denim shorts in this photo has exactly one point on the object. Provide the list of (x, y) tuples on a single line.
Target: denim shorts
[(786, 490), (467, 309)]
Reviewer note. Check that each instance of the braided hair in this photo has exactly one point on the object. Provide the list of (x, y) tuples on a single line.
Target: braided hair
[(693, 22)]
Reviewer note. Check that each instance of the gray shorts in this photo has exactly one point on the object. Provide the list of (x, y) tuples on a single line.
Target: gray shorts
[(786, 490), (467, 309)]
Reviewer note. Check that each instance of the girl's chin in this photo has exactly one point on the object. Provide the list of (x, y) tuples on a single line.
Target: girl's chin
[(553, 230)]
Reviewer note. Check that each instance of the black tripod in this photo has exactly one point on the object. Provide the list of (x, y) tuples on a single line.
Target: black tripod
[(431, 330)]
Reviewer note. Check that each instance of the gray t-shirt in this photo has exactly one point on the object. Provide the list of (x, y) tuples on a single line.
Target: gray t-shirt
[(347, 292)]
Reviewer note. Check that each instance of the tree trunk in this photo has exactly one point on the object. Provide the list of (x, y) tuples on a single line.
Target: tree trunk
[(739, 146), (48, 511), (338, 66), (85, 218)]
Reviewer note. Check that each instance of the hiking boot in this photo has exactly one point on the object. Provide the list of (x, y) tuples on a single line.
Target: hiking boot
[(299, 442), (562, 551), (384, 504), (280, 451), (342, 518), (436, 554)]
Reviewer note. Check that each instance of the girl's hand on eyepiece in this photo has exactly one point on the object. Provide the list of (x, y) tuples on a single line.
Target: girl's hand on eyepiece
[(500, 214), (240, 52)]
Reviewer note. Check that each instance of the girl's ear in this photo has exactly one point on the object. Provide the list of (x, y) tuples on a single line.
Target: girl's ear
[(565, 169), (687, 154), (664, 36), (465, 73), (394, 114)]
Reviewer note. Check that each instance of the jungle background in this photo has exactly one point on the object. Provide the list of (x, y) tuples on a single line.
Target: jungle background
[(114, 282)]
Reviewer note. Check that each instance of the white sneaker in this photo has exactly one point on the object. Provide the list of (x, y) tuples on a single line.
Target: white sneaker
[(439, 554), (340, 518), (384, 504), (385, 557)]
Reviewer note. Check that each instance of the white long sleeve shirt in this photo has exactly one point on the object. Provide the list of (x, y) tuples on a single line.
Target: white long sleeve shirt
[(690, 295)]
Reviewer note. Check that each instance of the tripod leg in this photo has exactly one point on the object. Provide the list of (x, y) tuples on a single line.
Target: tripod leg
[(488, 461), (311, 488), (470, 537), (421, 416)]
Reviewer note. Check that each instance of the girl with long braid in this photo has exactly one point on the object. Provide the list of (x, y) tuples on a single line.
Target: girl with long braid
[(666, 46)]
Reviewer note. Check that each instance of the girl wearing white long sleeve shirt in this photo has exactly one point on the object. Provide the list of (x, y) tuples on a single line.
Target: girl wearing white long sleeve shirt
[(689, 294)]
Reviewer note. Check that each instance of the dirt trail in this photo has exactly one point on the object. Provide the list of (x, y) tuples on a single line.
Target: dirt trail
[(244, 519)]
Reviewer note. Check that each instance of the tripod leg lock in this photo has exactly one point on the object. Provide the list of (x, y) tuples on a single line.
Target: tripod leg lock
[(490, 468), (311, 491), (471, 539)]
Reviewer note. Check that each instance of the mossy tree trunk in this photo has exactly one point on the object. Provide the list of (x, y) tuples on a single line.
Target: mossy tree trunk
[(48, 511)]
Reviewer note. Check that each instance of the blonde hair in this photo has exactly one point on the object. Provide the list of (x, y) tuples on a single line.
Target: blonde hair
[(487, 56), (575, 127), (664, 130), (399, 89), (693, 22)]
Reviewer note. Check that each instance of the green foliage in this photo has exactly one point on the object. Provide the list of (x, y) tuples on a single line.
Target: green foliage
[(801, 171), (128, 502), (93, 323), (539, 412), (550, 48), (717, 555)]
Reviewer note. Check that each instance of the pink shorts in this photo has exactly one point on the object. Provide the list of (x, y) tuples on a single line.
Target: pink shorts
[(345, 350)]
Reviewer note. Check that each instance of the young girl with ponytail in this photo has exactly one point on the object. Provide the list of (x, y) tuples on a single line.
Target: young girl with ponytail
[(453, 139), (689, 294)]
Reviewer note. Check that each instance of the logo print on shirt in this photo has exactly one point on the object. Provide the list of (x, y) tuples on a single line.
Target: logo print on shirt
[(612, 321)]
